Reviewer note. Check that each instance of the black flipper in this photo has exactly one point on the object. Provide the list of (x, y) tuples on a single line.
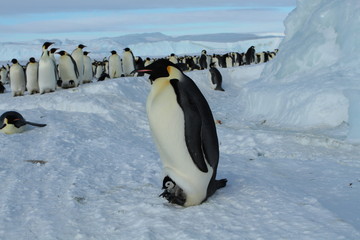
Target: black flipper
[(2, 126), (36, 124)]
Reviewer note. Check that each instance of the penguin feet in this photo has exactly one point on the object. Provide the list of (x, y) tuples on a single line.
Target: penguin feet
[(172, 198)]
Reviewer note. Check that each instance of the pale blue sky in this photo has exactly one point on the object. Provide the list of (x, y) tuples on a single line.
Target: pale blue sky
[(87, 19)]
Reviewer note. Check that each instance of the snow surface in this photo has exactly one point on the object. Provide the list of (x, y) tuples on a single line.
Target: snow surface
[(292, 165)]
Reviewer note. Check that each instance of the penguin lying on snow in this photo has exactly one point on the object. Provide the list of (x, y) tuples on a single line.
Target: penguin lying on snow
[(13, 122), (184, 131)]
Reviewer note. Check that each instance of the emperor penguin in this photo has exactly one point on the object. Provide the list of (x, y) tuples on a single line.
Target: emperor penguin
[(88, 68), (115, 67), (17, 78), (215, 78), (32, 84), (68, 70), (47, 71), (78, 56), (184, 132), (173, 58), (128, 62), (13, 122), (4, 75), (250, 55), (203, 60)]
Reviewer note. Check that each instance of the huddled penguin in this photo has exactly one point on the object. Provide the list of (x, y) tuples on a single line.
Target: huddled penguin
[(184, 131), (128, 61), (78, 56), (216, 78), (88, 70), (32, 84), (68, 70), (47, 71), (17, 78), (115, 67), (173, 58), (13, 122)]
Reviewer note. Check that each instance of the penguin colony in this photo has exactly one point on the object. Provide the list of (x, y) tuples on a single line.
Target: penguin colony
[(69, 70), (180, 118)]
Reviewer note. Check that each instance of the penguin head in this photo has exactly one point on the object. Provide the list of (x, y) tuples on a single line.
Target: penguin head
[(86, 53), (53, 50), (14, 61), (168, 183), (158, 69), (81, 46), (113, 52), (32, 60), (62, 53), (47, 44), (127, 49), (10, 117)]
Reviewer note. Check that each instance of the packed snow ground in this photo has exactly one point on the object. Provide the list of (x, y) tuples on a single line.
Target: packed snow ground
[(102, 174)]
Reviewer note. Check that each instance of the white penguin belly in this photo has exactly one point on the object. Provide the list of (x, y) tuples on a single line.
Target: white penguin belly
[(47, 80), (11, 129), (167, 124)]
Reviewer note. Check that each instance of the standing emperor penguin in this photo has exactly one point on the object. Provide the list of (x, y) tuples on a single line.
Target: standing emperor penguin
[(250, 55), (4, 75), (32, 84), (115, 67), (68, 70), (184, 131), (17, 78), (203, 60), (215, 78), (47, 71), (128, 62), (88, 68), (78, 56)]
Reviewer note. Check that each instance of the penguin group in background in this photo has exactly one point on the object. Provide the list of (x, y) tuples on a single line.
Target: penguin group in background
[(215, 77), (13, 122), (128, 62), (47, 71), (32, 84), (17, 79), (184, 131), (78, 56), (115, 66), (88, 71)]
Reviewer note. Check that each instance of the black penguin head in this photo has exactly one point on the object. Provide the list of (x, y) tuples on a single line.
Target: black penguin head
[(62, 53), (10, 117), (113, 52), (127, 49), (32, 60), (47, 44), (86, 53), (14, 61), (53, 50), (168, 183), (158, 69), (81, 46)]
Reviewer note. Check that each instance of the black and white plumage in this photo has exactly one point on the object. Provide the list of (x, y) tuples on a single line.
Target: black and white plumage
[(184, 131), (13, 122)]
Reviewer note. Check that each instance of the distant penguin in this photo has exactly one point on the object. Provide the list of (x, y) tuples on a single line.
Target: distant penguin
[(215, 78), (147, 62), (68, 70), (115, 66), (13, 122), (128, 62), (229, 61), (17, 78), (173, 58), (88, 71), (184, 131), (203, 60), (78, 56), (4, 75), (139, 64), (32, 84), (47, 71), (250, 55)]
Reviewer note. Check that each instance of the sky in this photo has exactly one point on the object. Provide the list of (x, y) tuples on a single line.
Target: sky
[(25, 20)]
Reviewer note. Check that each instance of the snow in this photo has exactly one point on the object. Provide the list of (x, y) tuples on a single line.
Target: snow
[(292, 164)]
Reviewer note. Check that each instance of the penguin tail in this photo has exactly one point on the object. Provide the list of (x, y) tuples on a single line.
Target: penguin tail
[(220, 183), (36, 124)]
